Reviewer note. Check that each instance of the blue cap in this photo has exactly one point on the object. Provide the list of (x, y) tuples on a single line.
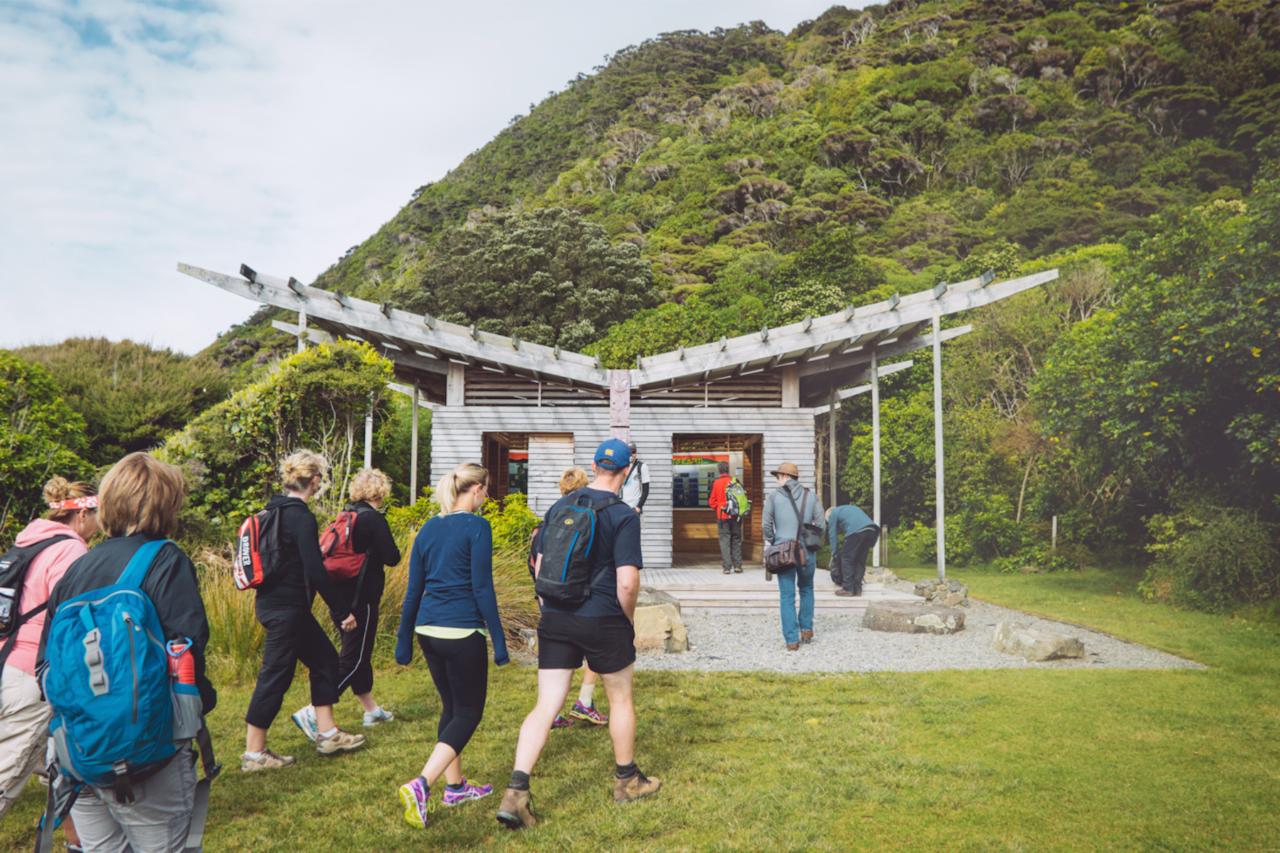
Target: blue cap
[(613, 454)]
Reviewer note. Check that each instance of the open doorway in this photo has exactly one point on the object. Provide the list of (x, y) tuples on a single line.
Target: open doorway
[(528, 464), (694, 460)]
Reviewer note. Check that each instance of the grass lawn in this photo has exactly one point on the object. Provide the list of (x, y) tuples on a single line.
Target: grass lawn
[(976, 760)]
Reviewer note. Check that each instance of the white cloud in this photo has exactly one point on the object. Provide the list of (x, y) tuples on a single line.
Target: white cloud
[(134, 135)]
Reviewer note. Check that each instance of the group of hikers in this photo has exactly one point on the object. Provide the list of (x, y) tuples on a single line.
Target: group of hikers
[(104, 687)]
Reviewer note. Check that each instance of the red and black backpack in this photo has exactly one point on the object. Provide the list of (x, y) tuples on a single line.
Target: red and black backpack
[(257, 549), (341, 559)]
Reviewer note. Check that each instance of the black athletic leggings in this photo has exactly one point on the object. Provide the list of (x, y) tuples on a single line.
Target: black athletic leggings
[(460, 669)]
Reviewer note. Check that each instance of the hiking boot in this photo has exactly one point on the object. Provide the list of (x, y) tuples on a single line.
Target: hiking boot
[(377, 715), (727, 570), (516, 810), (737, 570), (588, 713), (415, 796), (305, 719), (806, 636), (266, 760), (468, 792), (844, 593), (634, 787), (793, 647), (561, 722), (339, 741)]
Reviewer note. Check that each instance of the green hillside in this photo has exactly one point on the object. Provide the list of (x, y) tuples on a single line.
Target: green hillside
[(706, 184), (917, 138)]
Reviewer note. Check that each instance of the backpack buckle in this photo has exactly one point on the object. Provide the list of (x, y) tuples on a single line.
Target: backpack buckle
[(99, 684), (123, 790)]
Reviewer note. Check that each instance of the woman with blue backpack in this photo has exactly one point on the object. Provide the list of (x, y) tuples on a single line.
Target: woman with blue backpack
[(451, 608), (117, 618)]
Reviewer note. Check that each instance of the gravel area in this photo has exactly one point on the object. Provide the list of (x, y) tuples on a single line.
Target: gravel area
[(753, 642)]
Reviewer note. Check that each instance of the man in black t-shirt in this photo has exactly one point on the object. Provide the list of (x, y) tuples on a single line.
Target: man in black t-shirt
[(599, 629)]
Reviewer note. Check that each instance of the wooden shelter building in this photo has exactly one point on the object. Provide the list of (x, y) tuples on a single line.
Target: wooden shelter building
[(528, 411)]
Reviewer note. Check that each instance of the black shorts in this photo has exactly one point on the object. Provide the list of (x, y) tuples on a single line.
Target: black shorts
[(607, 642)]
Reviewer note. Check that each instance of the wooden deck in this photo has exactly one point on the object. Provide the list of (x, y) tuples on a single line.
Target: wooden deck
[(704, 587)]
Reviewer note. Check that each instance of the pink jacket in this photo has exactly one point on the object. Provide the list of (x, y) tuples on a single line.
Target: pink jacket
[(43, 575)]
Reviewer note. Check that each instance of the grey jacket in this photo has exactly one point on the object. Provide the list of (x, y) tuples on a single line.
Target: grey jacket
[(779, 522)]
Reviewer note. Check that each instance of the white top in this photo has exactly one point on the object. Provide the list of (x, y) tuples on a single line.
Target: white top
[(632, 486)]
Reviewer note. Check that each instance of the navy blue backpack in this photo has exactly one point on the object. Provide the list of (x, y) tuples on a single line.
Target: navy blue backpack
[(568, 539)]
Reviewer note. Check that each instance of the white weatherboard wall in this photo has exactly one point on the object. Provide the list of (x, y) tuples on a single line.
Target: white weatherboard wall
[(456, 436), (549, 455)]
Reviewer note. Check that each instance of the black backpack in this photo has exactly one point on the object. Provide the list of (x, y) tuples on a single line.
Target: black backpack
[(13, 576), (568, 539)]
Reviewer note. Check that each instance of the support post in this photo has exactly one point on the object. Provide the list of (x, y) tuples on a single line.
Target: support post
[(368, 437), (831, 445), (791, 387), (875, 456), (620, 404), (939, 476), (302, 329), (1053, 536), (413, 450), (455, 385)]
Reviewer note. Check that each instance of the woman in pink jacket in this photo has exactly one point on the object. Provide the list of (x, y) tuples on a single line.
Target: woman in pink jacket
[(24, 716)]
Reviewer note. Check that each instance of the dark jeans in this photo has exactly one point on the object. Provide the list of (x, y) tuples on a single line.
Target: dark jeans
[(293, 635), (460, 670), (355, 660), (730, 530), (850, 564)]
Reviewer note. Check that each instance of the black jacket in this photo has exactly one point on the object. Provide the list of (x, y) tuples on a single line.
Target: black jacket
[(300, 574), (171, 585), (372, 537)]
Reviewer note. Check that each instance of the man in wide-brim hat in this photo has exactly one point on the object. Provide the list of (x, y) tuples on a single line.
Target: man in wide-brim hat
[(787, 511)]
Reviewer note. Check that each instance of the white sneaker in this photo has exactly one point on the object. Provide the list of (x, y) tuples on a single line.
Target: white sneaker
[(377, 715), (305, 719)]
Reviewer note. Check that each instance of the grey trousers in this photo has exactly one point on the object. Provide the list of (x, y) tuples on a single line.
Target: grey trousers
[(730, 531), (155, 822)]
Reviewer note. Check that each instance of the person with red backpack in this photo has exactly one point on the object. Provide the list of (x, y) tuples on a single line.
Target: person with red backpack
[(357, 547), (41, 555), (291, 573)]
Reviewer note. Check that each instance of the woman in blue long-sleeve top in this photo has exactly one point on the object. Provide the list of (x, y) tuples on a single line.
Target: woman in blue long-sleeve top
[(450, 605)]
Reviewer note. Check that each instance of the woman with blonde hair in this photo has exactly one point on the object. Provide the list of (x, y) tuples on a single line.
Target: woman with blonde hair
[(283, 606), (139, 501), (47, 546), (448, 605), (371, 536)]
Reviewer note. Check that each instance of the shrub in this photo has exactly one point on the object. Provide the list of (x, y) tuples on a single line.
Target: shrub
[(317, 399), (40, 436), (1211, 558)]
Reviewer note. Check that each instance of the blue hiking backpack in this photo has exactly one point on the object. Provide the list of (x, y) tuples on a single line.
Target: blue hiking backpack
[(107, 678), (568, 539)]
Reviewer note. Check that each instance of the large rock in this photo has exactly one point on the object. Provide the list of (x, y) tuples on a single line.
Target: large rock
[(658, 624), (1035, 644), (905, 618), (944, 593)]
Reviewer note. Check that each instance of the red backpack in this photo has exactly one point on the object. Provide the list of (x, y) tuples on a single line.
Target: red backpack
[(341, 560), (257, 549)]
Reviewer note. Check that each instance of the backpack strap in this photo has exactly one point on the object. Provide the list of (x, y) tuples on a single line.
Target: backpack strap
[(799, 509), (140, 563), (200, 809)]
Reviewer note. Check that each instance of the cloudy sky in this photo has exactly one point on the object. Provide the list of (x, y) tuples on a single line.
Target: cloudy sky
[(134, 135)]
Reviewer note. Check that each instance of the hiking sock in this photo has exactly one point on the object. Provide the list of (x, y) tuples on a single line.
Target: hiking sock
[(333, 731), (252, 756), (626, 771), (458, 788), (519, 780), (587, 695)]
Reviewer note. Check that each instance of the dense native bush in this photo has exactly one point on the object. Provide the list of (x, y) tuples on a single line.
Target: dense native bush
[(130, 395), (316, 399), (40, 436), (1212, 558)]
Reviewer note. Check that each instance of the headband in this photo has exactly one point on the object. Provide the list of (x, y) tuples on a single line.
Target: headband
[(86, 502)]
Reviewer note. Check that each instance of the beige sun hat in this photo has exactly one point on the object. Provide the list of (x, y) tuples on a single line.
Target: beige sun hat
[(787, 468)]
